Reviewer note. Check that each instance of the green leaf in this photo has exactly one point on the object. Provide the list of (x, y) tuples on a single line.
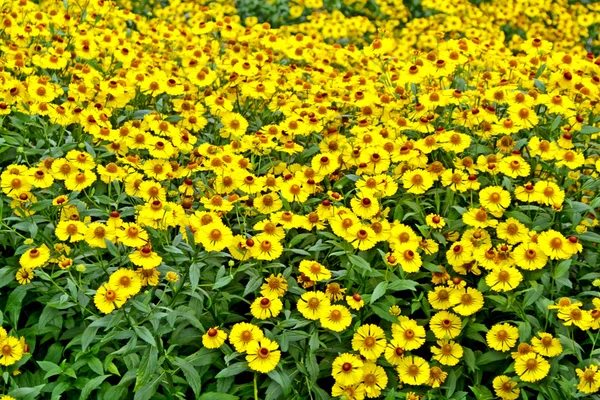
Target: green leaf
[(48, 314), (88, 336), (144, 334), (490, 357), (148, 390), (195, 275), (359, 262), (469, 357), (91, 385), (146, 368), (588, 130), (451, 384), (233, 370), (191, 375), (14, 303), (534, 293), (224, 281), (403, 284), (217, 396), (26, 393), (379, 291), (312, 366)]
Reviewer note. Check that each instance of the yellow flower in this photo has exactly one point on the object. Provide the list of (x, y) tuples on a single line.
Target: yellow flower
[(346, 369), (35, 257), (374, 379), (214, 338), (435, 221), (370, 341), (505, 388), (242, 334), (71, 230), (148, 276), (468, 301), (503, 279), (263, 355), (408, 334), (502, 337), (336, 318), (265, 307), (494, 199), (126, 282), (313, 305), (355, 301), (413, 370), (436, 377), (449, 353), (216, 236), (417, 181), (274, 286), (532, 367), (11, 351), (24, 275), (172, 276), (314, 270), (589, 379), (108, 298), (146, 258), (546, 345), (445, 325)]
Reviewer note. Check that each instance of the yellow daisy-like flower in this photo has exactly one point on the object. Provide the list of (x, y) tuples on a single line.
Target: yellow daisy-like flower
[(146, 258), (35, 257), (532, 368), (374, 379), (502, 337), (274, 286), (408, 333), (214, 338), (336, 318), (263, 355), (589, 379), (11, 351), (449, 353), (413, 370), (242, 334), (546, 345), (108, 298), (314, 270), (370, 341), (505, 388), (346, 369), (126, 282), (313, 305), (265, 307), (468, 301)]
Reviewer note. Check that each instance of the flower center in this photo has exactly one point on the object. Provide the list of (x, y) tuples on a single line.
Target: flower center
[(263, 352), (265, 302), (502, 335), (110, 295), (413, 370), (6, 350), (335, 316), (531, 364)]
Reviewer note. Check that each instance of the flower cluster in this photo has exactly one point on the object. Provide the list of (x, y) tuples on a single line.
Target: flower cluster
[(208, 189)]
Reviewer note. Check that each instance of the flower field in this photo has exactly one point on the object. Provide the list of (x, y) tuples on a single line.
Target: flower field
[(305, 199)]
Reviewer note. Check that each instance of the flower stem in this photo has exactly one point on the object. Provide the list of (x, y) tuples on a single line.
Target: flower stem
[(255, 386)]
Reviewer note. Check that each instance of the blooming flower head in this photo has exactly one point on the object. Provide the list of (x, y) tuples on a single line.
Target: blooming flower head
[(263, 355), (214, 338), (370, 341)]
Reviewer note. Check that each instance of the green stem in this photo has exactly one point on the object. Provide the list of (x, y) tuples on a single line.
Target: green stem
[(255, 386)]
